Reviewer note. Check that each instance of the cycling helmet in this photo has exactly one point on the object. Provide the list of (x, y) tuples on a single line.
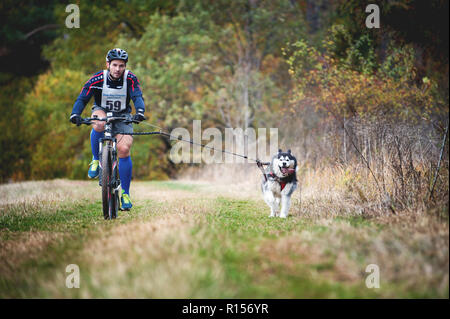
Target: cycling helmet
[(117, 54)]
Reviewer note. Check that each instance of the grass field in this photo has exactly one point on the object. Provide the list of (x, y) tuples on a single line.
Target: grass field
[(191, 239)]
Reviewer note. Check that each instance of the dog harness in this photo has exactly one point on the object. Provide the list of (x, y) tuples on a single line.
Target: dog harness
[(279, 180)]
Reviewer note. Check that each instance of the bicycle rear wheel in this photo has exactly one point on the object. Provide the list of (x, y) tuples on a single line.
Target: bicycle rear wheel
[(106, 182)]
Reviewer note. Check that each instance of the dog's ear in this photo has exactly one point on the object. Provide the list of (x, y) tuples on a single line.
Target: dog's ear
[(280, 151), (289, 151)]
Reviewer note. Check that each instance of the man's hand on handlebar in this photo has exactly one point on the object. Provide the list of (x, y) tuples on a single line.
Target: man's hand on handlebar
[(76, 119), (139, 117)]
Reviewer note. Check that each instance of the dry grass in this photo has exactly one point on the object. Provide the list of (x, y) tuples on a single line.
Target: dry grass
[(176, 242), (27, 198), (24, 247), (153, 258), (297, 252), (411, 247)]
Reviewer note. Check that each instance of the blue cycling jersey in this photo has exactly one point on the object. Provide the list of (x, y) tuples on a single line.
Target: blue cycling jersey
[(94, 87)]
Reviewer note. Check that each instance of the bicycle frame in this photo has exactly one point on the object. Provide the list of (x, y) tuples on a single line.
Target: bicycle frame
[(110, 191), (109, 173)]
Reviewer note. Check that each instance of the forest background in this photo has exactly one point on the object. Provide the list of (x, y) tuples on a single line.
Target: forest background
[(370, 105)]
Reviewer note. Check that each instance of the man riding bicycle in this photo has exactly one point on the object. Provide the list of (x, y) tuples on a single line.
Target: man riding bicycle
[(112, 90)]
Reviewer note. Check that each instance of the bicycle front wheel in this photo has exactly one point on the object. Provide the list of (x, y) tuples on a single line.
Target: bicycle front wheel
[(106, 181)]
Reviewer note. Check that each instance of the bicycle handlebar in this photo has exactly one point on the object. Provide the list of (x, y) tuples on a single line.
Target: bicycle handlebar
[(88, 120)]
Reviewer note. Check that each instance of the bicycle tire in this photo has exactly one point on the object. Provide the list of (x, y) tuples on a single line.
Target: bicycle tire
[(114, 193), (106, 181), (116, 204)]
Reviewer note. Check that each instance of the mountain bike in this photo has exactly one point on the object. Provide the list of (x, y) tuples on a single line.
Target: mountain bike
[(109, 171)]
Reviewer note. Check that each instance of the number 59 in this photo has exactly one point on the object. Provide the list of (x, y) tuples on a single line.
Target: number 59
[(113, 105)]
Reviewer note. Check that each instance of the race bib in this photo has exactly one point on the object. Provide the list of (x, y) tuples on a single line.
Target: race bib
[(114, 100)]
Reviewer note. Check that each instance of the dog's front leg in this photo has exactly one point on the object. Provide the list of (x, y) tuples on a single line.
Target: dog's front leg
[(277, 205), (286, 199), (273, 212), (270, 200), (285, 205)]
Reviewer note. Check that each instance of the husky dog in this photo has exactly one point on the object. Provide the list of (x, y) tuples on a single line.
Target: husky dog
[(279, 182)]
